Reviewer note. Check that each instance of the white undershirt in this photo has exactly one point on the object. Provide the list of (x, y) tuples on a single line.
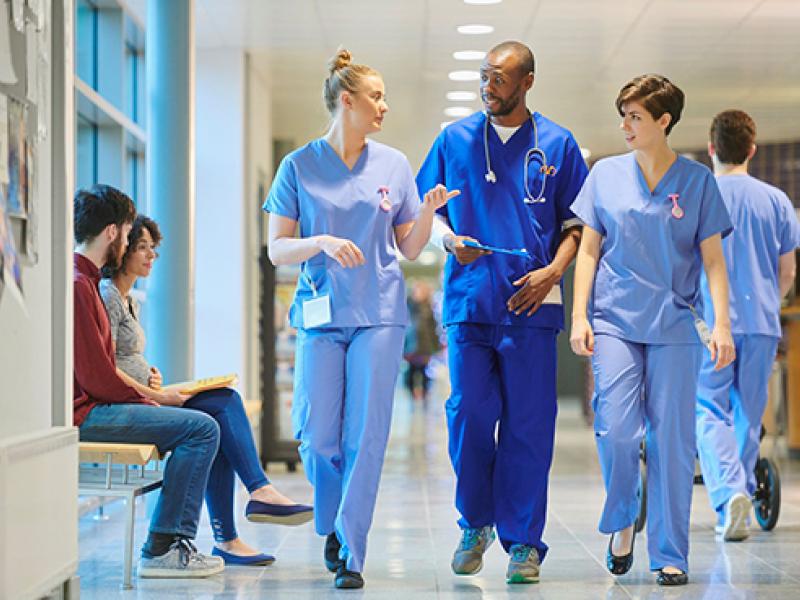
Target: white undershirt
[(504, 133)]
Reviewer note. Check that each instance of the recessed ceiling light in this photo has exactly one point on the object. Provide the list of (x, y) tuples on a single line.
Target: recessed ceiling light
[(458, 111), (464, 75), (460, 96), (474, 29), (444, 124), (482, 1), (469, 55)]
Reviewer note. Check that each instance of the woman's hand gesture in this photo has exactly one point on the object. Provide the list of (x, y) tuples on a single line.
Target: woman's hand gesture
[(344, 252), (437, 197)]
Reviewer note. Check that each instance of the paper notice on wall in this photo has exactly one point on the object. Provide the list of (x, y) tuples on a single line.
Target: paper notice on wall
[(7, 74), (18, 14), (3, 139)]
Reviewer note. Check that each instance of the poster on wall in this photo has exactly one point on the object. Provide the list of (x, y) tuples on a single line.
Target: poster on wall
[(17, 194), (3, 139), (7, 74), (10, 272)]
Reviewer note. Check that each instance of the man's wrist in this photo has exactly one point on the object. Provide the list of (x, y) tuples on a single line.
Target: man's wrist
[(555, 271)]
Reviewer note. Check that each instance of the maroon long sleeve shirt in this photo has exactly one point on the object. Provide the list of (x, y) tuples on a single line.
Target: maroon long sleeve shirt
[(95, 370)]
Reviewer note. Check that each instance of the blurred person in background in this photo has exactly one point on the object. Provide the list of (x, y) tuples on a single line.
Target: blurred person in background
[(422, 340), (760, 254)]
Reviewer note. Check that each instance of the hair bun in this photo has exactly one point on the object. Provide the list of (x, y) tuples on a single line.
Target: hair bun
[(340, 60)]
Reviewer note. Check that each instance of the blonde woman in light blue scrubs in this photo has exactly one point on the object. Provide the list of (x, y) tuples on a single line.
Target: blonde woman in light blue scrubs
[(355, 203), (653, 220)]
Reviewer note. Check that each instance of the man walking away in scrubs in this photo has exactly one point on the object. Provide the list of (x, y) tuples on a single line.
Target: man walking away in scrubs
[(761, 269), (518, 173), (341, 206)]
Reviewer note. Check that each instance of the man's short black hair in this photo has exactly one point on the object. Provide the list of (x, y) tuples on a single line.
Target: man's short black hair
[(97, 208), (527, 64)]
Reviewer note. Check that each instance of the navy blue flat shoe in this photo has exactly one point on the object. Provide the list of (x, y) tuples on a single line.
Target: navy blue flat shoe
[(281, 514), (256, 560)]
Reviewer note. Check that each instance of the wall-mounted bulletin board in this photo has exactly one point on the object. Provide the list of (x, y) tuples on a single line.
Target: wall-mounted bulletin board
[(23, 78)]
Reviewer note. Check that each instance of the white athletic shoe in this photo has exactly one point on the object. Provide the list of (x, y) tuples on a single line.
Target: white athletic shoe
[(182, 561), (737, 510)]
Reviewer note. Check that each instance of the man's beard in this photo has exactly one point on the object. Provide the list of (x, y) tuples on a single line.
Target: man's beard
[(115, 253), (504, 107)]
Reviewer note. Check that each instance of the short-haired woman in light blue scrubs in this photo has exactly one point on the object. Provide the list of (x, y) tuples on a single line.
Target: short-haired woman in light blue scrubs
[(356, 203), (653, 220)]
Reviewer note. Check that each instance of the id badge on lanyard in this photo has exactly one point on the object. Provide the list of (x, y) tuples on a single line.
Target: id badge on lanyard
[(316, 310)]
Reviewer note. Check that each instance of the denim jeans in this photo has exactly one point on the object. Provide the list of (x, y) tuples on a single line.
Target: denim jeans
[(237, 454), (193, 438)]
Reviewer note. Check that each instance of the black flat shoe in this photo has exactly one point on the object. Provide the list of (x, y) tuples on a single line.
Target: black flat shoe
[(347, 580), (672, 578), (332, 560), (619, 565)]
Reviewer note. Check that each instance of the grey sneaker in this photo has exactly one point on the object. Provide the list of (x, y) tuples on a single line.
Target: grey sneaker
[(523, 566), (735, 529), (468, 557), (181, 561)]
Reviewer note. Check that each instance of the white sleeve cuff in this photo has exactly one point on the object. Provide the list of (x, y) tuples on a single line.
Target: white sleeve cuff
[(576, 222), (439, 231)]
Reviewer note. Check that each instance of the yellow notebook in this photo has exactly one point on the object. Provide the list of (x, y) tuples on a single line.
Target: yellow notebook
[(207, 383)]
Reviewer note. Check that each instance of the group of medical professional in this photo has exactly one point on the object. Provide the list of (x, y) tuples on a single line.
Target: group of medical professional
[(507, 194)]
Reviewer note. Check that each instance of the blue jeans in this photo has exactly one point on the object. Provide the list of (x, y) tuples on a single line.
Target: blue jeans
[(193, 438), (237, 454)]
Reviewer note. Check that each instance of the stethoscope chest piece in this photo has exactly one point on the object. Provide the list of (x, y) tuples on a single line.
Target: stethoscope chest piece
[(534, 154)]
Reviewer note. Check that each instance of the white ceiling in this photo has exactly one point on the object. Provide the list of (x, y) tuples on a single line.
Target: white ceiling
[(722, 53)]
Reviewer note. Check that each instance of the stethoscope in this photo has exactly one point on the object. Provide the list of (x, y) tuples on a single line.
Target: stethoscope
[(534, 153)]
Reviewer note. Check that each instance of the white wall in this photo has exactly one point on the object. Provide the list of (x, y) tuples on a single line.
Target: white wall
[(38, 445), (258, 131), (234, 149)]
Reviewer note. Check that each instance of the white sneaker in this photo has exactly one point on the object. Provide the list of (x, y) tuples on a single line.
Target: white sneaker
[(734, 528), (181, 561)]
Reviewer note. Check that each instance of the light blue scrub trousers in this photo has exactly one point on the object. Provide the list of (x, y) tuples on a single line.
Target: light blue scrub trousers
[(344, 391), (730, 405), (647, 390), (501, 417)]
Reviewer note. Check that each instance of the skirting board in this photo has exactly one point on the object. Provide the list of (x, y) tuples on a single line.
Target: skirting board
[(38, 512)]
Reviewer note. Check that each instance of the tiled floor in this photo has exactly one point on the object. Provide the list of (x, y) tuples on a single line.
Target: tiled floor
[(414, 534)]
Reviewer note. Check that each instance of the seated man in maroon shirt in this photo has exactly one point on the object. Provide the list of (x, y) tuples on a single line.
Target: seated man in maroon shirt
[(106, 409)]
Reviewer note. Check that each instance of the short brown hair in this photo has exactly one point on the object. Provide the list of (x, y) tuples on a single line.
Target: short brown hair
[(733, 133), (657, 94), (344, 75)]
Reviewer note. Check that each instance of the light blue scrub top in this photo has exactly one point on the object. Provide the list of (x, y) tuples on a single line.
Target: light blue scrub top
[(765, 227), (495, 214), (314, 187), (650, 262)]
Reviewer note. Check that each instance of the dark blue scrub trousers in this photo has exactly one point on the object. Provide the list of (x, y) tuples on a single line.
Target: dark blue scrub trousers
[(503, 379)]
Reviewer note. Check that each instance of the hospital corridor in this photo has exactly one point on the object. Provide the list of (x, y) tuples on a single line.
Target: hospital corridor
[(399, 299)]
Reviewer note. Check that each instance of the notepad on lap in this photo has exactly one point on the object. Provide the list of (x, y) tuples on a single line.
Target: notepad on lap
[(207, 383)]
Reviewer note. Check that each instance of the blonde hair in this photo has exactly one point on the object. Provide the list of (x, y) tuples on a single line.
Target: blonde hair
[(344, 75)]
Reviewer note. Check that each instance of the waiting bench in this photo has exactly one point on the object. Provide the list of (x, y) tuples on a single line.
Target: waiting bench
[(105, 470)]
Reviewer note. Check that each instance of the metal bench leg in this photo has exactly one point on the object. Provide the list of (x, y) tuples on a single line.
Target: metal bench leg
[(127, 559)]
